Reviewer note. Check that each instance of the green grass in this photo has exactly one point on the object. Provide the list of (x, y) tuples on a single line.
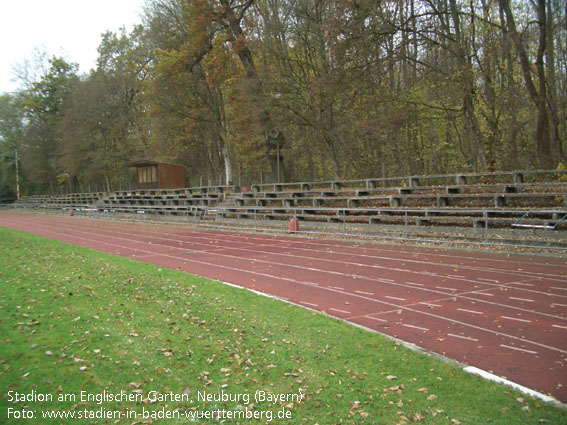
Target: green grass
[(73, 319)]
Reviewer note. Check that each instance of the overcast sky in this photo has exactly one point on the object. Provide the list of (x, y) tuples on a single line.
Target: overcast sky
[(68, 28)]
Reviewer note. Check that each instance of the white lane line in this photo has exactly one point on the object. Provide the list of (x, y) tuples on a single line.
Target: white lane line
[(515, 318), (310, 304), (414, 327), (463, 337), (337, 287), (364, 293), (521, 299), (412, 283), (518, 349), (456, 276), (520, 283), (430, 304), (339, 311), (470, 311), (375, 318), (394, 298), (448, 289), (558, 326), (488, 280), (557, 287), (559, 305)]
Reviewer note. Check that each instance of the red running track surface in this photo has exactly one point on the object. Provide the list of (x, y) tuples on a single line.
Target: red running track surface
[(506, 314)]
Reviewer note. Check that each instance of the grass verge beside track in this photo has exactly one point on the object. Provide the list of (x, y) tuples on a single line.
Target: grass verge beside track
[(76, 324)]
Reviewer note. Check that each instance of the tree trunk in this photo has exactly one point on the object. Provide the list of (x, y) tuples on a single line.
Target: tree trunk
[(107, 182), (245, 57), (331, 142), (539, 98), (470, 121), (227, 163), (556, 142)]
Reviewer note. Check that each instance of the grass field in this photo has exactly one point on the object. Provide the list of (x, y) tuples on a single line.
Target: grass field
[(77, 325)]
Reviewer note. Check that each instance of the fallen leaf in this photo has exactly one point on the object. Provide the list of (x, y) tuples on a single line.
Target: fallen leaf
[(418, 417)]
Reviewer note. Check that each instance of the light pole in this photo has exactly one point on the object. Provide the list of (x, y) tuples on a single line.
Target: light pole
[(275, 137)]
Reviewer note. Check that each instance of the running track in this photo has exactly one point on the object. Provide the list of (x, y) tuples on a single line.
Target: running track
[(504, 314)]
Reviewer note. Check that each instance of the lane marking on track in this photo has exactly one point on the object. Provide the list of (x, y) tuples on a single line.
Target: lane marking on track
[(515, 318), (340, 311), (430, 304), (557, 287), (394, 298), (470, 311), (522, 299), (415, 327), (484, 294), (558, 326), (520, 283), (337, 287), (364, 293), (559, 305), (488, 280), (310, 304), (455, 276), (468, 338), (375, 318), (518, 349), (448, 289), (411, 283), (59, 234)]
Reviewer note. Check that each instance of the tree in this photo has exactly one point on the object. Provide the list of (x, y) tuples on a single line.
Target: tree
[(214, 23), (538, 94), (42, 105), (11, 130), (196, 123), (99, 132)]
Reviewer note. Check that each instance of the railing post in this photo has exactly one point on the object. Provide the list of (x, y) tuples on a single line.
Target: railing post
[(295, 219), (485, 227)]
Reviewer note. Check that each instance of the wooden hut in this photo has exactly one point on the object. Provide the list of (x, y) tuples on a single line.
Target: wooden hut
[(158, 175)]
